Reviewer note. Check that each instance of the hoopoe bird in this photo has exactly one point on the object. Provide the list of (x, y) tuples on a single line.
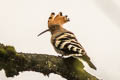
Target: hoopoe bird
[(64, 41)]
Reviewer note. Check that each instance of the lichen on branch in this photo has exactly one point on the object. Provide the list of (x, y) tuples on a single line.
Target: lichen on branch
[(13, 63)]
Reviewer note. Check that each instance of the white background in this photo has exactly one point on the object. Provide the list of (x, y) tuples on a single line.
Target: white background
[(96, 23)]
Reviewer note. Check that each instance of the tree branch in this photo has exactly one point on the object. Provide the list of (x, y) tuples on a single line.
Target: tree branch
[(13, 63)]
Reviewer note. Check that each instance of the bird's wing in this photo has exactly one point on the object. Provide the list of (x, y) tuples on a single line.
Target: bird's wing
[(67, 43)]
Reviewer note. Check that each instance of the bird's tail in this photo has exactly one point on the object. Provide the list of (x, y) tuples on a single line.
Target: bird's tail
[(87, 59), (91, 64)]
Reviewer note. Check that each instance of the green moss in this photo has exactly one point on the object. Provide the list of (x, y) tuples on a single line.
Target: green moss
[(2, 51), (10, 50), (3, 54), (21, 57), (1, 45), (49, 64)]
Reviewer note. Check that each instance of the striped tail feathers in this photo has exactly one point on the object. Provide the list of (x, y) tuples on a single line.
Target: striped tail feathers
[(87, 59), (91, 65)]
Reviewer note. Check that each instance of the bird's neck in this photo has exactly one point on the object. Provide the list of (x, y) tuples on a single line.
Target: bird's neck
[(57, 30)]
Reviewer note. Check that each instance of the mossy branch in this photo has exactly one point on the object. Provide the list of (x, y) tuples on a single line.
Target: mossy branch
[(13, 63)]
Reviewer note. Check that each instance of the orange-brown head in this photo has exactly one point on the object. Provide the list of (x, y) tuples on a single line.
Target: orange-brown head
[(55, 22)]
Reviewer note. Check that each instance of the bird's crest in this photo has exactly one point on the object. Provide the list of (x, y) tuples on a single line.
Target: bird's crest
[(55, 21), (59, 19)]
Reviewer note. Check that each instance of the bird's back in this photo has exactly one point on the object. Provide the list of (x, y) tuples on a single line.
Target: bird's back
[(64, 41), (66, 44)]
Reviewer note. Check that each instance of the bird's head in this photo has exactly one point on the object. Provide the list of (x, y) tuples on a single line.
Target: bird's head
[(55, 22)]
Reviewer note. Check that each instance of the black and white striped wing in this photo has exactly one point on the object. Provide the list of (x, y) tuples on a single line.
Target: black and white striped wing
[(68, 44)]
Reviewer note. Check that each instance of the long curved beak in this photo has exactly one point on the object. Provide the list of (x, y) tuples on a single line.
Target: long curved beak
[(43, 32)]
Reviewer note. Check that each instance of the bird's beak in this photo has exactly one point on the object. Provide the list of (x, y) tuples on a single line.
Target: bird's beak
[(43, 32)]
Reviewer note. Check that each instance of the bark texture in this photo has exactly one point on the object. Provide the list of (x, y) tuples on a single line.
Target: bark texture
[(13, 63)]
